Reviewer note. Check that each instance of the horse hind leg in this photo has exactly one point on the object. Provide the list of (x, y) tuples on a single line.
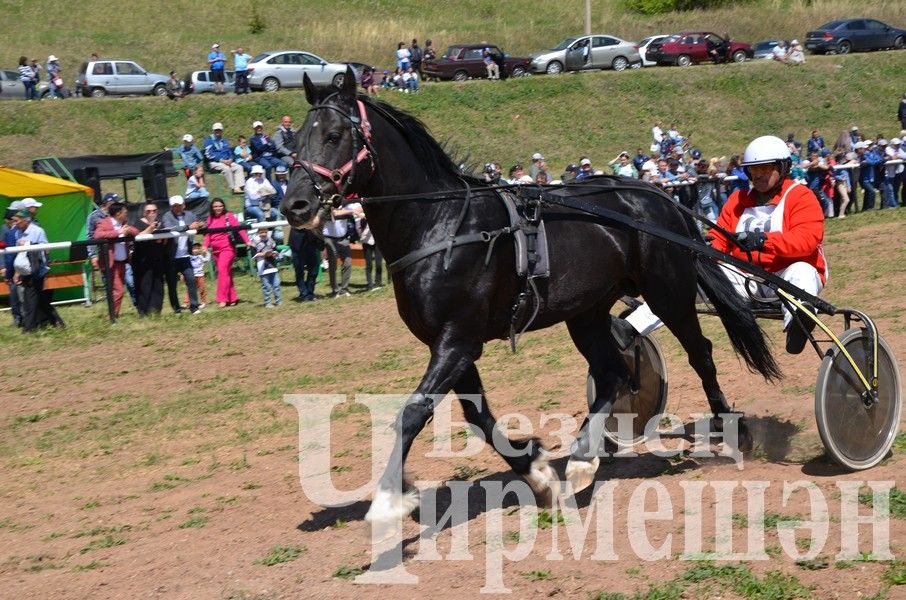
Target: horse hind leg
[(591, 334), (526, 457)]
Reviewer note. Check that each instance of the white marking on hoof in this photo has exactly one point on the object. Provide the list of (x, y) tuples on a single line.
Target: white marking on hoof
[(388, 510), (581, 473), (543, 480)]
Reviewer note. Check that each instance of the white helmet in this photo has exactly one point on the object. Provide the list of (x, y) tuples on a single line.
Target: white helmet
[(765, 150)]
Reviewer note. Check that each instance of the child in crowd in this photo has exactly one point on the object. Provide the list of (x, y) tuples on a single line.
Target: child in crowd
[(243, 155), (387, 81), (198, 260), (410, 80), (266, 260)]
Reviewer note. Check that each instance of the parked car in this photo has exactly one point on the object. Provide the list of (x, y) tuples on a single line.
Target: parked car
[(643, 48), (270, 71), (587, 52), (465, 61), (11, 87), (98, 78), (199, 82), (846, 35), (765, 49), (689, 47)]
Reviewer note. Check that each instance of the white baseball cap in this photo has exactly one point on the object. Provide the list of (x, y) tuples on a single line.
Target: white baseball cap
[(217, 126), (882, 142), (854, 128), (858, 145), (584, 162), (177, 200), (257, 124), (257, 169), (896, 141), (537, 156), (187, 138), (31, 203), (52, 58), (215, 46)]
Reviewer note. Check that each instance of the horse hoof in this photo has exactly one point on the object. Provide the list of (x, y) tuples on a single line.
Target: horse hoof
[(543, 481), (581, 473), (387, 511)]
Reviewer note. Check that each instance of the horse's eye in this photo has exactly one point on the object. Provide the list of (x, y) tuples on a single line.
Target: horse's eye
[(334, 137)]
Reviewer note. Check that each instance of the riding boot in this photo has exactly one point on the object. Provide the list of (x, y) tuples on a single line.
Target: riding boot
[(797, 333)]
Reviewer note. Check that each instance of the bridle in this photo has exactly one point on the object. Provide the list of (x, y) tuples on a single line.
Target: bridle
[(340, 178)]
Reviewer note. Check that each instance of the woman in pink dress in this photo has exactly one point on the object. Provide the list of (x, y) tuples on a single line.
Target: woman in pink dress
[(223, 251)]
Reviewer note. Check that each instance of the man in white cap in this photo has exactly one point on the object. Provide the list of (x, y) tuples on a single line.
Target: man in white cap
[(217, 63), (538, 166), (54, 78), (584, 168), (893, 173), (264, 151), (32, 206), (190, 154), (219, 152), (179, 254)]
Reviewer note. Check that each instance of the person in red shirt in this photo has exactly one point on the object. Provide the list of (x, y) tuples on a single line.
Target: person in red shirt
[(778, 226)]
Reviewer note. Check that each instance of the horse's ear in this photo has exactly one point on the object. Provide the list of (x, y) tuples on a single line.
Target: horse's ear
[(350, 81), (311, 94)]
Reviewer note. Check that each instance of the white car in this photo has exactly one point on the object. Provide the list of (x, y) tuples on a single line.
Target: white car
[(270, 71), (643, 48)]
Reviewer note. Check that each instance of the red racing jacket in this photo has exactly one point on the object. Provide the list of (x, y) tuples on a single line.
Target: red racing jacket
[(799, 240)]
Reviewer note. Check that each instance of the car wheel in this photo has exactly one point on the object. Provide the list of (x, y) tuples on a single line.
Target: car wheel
[(844, 47), (271, 84), (899, 43), (683, 60), (519, 72), (555, 67), (460, 75), (739, 56), (620, 63), (159, 90), (338, 79), (98, 92)]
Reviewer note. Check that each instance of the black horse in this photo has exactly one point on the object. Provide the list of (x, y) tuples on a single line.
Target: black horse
[(456, 301)]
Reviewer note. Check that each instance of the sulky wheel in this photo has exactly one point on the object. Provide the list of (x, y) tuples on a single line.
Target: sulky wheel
[(645, 396), (857, 434)]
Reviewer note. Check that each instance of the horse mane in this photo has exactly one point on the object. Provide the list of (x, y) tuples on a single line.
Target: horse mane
[(428, 151)]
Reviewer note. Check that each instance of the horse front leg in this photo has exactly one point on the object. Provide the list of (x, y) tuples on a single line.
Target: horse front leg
[(394, 499)]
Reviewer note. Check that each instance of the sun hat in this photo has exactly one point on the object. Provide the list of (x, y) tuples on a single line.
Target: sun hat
[(177, 200), (215, 46), (896, 141), (52, 58), (257, 169), (187, 138), (281, 170)]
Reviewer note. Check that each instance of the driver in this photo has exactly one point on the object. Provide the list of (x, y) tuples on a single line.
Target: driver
[(779, 226)]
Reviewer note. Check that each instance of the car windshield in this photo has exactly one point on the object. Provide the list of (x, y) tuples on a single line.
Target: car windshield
[(565, 43), (260, 57), (831, 25)]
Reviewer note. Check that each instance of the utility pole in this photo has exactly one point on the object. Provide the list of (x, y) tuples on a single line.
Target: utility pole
[(587, 17)]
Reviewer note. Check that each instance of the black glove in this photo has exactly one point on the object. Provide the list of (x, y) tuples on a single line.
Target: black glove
[(751, 241)]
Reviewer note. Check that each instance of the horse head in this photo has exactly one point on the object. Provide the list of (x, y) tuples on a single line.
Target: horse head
[(334, 153)]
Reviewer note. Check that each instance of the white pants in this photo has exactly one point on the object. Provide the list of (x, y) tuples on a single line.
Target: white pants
[(802, 275), (233, 174)]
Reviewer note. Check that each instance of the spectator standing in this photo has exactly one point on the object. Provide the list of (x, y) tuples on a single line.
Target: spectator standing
[(403, 61), (264, 151), (285, 141), (843, 144), (538, 166), (219, 153), (36, 67), (55, 77), (9, 239), (490, 64), (854, 136), (815, 143), (901, 112), (892, 173), (623, 167), (195, 185), (149, 265), (516, 173), (199, 259), (174, 87), (98, 214), (180, 219), (305, 247), (266, 261), (585, 169), (110, 228), (794, 145), (241, 68), (217, 63), (868, 162), (29, 79), (815, 180), (843, 186), (336, 239), (37, 310), (741, 181), (190, 154), (223, 251), (374, 267), (415, 56)]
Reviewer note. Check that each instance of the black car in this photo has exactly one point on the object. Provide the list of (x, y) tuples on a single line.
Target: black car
[(848, 35)]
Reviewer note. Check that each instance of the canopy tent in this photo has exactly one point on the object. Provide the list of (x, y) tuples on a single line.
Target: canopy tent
[(63, 217)]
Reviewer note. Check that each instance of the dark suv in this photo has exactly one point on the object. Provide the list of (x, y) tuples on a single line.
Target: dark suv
[(465, 61)]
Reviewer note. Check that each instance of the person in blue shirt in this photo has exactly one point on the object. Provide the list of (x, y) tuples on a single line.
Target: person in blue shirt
[(815, 143), (868, 166), (190, 154), (241, 67), (219, 152), (217, 62), (264, 150), (36, 306)]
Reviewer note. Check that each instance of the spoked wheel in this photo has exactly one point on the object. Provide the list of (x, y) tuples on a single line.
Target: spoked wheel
[(645, 396), (857, 434)]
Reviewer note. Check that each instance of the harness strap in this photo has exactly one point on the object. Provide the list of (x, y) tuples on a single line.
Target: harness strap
[(481, 237)]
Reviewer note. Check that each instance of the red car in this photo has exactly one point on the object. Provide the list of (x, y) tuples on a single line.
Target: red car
[(464, 61), (688, 47)]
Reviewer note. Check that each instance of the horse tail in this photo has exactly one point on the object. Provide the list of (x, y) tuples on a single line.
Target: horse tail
[(738, 319)]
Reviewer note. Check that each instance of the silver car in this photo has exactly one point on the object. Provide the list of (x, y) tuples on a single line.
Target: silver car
[(199, 82), (98, 78), (270, 71), (12, 88), (587, 52)]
